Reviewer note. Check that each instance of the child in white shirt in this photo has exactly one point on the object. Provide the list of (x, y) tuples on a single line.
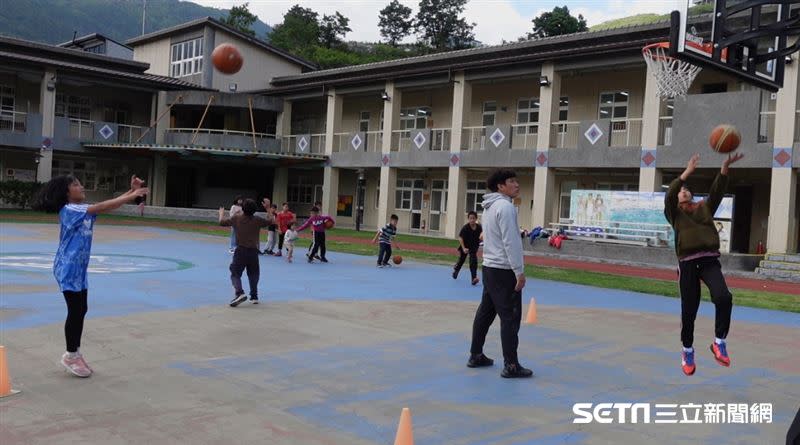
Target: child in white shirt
[(289, 238)]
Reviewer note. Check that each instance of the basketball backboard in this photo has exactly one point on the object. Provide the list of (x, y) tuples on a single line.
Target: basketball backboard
[(745, 38)]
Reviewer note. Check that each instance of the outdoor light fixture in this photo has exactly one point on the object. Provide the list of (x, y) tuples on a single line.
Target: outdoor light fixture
[(385, 96), (51, 84), (232, 87), (544, 81), (788, 60)]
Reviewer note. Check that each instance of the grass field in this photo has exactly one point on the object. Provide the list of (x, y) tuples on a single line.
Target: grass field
[(742, 297)]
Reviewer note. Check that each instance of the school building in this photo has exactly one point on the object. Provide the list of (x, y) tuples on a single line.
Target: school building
[(416, 136)]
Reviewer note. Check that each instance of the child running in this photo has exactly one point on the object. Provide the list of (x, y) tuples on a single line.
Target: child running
[(289, 238), (65, 195), (469, 240), (247, 227), (272, 229), (386, 235), (317, 223), (697, 247), (284, 217)]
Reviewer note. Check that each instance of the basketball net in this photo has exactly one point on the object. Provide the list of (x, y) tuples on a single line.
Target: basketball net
[(673, 76)]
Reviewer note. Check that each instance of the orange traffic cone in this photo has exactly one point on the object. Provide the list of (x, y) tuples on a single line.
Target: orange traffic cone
[(531, 318), (405, 433), (5, 380)]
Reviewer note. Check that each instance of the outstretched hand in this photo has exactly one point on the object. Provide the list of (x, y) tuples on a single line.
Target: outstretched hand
[(136, 182), (690, 166), (732, 158)]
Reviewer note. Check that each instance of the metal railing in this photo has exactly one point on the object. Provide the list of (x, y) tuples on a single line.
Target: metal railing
[(473, 138), (665, 130), (626, 132), (564, 134), (81, 128), (341, 142), (13, 121), (316, 144), (524, 136), (220, 131), (401, 140), (766, 126), (440, 139), (373, 141), (129, 134)]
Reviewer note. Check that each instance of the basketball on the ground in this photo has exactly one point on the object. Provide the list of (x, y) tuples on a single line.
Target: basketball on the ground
[(724, 138), (227, 59), (397, 259), (329, 224)]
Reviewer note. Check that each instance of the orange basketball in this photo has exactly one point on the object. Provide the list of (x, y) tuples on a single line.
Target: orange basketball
[(227, 59), (329, 223), (397, 259), (724, 138)]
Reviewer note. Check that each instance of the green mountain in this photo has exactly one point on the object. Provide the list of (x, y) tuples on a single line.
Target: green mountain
[(55, 21), (645, 19)]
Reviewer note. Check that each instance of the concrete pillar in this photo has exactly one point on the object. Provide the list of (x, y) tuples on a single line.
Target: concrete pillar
[(456, 200), (391, 122), (47, 99), (650, 178), (333, 122), (782, 225), (283, 126), (158, 189), (330, 191), (164, 123), (280, 186), (462, 103), (544, 180)]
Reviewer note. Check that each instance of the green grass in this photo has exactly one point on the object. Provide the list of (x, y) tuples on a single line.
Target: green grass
[(646, 19), (742, 297)]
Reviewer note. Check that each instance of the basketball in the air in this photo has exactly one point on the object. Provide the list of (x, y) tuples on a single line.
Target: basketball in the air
[(397, 259), (227, 59), (328, 223), (724, 138)]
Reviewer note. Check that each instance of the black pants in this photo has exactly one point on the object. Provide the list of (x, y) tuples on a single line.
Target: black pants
[(245, 258), (709, 271), (499, 298), (76, 311), (473, 261), (280, 241), (385, 253), (318, 245)]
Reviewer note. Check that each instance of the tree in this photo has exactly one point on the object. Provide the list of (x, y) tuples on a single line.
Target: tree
[(331, 27), (299, 31), (241, 19), (556, 23), (395, 22), (439, 25)]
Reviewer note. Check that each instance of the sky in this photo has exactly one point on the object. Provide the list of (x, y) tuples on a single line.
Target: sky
[(496, 19)]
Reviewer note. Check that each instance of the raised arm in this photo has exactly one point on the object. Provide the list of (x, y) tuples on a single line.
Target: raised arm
[(223, 221), (720, 183), (115, 203), (671, 198)]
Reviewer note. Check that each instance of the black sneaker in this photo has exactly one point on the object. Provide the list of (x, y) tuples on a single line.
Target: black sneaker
[(237, 300), (479, 361), (380, 266), (316, 257), (310, 258), (387, 265), (254, 300), (516, 371), (323, 259), (455, 274)]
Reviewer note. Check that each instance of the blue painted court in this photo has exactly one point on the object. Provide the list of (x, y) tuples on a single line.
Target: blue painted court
[(336, 350)]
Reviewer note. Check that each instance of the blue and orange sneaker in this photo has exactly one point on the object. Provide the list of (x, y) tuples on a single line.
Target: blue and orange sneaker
[(720, 352), (687, 362)]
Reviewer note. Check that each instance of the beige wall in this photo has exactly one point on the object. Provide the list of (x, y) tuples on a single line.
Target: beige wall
[(506, 94), (260, 65), (352, 108), (440, 100), (156, 53), (583, 90)]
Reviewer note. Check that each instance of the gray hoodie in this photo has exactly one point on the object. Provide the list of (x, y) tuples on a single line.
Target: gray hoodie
[(502, 244)]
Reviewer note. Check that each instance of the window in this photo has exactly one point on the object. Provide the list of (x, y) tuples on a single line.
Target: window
[(97, 49), (86, 172), (404, 191), (565, 201), (6, 99), (414, 118), (187, 58), (563, 108), (527, 113), (441, 185), (489, 113), (301, 190), (73, 107), (475, 192), (613, 105), (363, 121)]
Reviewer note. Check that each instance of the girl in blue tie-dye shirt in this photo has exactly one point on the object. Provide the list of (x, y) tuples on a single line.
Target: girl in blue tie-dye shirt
[(65, 195)]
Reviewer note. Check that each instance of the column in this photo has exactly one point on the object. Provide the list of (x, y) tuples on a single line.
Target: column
[(280, 185), (163, 124), (330, 191), (283, 125), (782, 224), (391, 121), (47, 99), (650, 179), (333, 121), (457, 176), (158, 189), (544, 179)]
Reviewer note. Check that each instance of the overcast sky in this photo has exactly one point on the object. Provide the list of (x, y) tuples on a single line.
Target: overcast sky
[(496, 19)]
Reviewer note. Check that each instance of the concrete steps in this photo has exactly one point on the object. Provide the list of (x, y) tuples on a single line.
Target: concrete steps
[(780, 266)]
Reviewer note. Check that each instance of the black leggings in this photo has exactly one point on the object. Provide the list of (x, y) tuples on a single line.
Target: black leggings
[(473, 261), (281, 236), (318, 245), (690, 274), (76, 311)]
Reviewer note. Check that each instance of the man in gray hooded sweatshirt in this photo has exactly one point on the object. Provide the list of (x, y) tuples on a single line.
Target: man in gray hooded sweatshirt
[(503, 275)]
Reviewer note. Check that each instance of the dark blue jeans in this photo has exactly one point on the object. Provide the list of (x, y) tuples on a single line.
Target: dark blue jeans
[(385, 253)]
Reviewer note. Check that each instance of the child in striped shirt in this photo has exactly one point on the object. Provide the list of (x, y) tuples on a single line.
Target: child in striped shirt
[(386, 234)]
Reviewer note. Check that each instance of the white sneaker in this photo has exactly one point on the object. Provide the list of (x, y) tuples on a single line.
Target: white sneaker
[(76, 365)]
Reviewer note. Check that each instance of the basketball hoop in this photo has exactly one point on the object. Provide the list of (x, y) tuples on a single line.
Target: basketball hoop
[(673, 76)]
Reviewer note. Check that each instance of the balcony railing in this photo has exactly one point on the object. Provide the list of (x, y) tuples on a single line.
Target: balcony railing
[(766, 126), (316, 144), (128, 134), (473, 138), (216, 131), (81, 129), (440, 139), (564, 134), (524, 136), (13, 121), (373, 141), (626, 132), (665, 130)]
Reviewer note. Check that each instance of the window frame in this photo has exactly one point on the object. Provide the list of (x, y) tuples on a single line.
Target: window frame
[(182, 66), (530, 126), (475, 190)]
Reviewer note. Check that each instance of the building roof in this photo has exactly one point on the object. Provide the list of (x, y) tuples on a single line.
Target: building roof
[(214, 23), (572, 46), (82, 62), (77, 41)]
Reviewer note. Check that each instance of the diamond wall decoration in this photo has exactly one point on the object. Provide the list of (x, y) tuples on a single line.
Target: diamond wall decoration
[(593, 134), (497, 137), (781, 157), (454, 160), (648, 159), (385, 160), (302, 143), (106, 132), (541, 159), (419, 140), (356, 142)]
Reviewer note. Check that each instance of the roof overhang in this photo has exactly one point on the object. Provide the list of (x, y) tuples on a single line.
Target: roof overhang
[(212, 152)]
